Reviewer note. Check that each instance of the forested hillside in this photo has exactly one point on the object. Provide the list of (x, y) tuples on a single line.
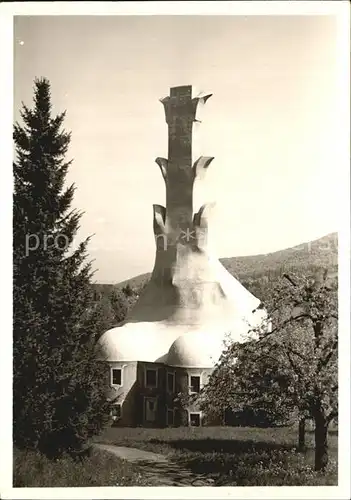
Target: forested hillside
[(307, 256)]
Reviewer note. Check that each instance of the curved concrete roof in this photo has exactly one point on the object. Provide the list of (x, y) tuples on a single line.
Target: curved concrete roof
[(133, 342), (195, 350), (175, 345)]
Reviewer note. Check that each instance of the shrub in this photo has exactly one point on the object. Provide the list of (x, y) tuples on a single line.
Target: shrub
[(99, 468)]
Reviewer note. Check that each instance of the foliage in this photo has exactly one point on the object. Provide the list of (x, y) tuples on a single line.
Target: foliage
[(128, 290), (98, 468), (119, 304), (101, 290), (113, 302), (103, 315), (292, 368), (58, 384)]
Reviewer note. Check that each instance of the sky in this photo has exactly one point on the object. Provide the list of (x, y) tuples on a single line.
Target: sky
[(271, 124)]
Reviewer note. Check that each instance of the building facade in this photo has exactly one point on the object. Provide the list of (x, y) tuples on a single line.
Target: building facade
[(148, 392), (152, 398)]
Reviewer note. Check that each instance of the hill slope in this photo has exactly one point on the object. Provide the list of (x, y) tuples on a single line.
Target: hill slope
[(319, 253)]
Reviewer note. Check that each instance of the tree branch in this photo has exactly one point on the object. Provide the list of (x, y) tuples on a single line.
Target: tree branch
[(324, 362), (296, 370), (332, 415), (297, 354), (286, 276), (286, 322)]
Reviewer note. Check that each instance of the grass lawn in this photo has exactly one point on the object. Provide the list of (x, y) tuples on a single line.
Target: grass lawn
[(31, 469), (237, 456)]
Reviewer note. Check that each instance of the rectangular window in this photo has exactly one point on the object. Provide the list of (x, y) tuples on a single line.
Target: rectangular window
[(151, 378), (170, 417), (194, 419), (150, 409), (116, 411), (116, 376), (170, 382), (194, 383)]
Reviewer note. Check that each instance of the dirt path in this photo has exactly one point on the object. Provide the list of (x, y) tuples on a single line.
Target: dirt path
[(157, 468)]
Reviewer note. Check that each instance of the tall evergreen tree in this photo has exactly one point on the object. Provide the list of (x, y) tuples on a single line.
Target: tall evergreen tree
[(58, 381)]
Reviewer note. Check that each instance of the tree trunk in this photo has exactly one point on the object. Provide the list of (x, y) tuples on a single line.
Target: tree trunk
[(302, 430), (321, 441)]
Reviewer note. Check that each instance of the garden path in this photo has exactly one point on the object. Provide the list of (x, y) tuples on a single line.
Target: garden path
[(156, 468)]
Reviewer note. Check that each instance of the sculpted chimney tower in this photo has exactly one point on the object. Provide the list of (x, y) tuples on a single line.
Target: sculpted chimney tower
[(178, 171)]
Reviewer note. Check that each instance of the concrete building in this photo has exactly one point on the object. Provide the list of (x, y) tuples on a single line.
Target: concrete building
[(174, 335)]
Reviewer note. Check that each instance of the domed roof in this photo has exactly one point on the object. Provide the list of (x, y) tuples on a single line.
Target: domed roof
[(196, 350), (175, 345), (133, 342)]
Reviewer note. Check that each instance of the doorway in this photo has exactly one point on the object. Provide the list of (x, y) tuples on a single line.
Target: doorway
[(150, 409)]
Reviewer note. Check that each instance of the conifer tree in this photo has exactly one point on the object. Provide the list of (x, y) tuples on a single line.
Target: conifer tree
[(58, 381), (119, 304)]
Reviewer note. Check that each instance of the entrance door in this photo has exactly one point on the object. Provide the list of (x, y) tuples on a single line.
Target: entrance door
[(150, 409)]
